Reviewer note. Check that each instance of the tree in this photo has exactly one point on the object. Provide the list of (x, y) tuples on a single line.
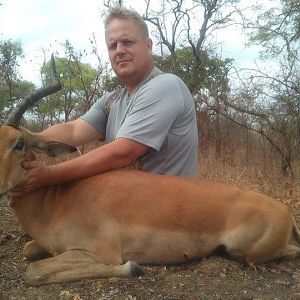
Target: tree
[(177, 27), (211, 70), (274, 109), (274, 112), (111, 3), (76, 79), (12, 88), (277, 29), (82, 86)]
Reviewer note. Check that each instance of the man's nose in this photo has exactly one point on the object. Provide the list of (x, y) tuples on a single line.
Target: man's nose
[(120, 48)]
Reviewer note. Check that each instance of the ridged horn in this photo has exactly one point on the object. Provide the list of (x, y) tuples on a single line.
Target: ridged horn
[(15, 116)]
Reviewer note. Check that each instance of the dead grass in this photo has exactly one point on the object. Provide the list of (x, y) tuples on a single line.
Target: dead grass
[(257, 173)]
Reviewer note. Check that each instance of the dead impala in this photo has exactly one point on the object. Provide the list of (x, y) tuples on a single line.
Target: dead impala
[(105, 225)]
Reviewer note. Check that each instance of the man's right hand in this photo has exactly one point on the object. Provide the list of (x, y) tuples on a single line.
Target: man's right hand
[(35, 178)]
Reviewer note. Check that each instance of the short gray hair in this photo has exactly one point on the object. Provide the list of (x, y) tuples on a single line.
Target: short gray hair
[(119, 12)]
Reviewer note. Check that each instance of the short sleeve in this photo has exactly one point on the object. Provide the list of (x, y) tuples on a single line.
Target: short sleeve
[(155, 108), (96, 115)]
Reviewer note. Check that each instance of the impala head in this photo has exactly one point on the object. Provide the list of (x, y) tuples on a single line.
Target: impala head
[(17, 144)]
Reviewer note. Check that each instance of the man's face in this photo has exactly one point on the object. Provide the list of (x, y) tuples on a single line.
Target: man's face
[(130, 53)]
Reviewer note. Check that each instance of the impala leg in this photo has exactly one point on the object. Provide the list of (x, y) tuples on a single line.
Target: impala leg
[(74, 265), (33, 251), (291, 251)]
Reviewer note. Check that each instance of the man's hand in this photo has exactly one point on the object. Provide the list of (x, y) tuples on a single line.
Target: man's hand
[(35, 178)]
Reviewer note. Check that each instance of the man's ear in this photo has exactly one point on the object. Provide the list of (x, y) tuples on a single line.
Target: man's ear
[(149, 45)]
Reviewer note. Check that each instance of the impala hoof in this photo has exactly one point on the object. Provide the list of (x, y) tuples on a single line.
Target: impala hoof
[(135, 268)]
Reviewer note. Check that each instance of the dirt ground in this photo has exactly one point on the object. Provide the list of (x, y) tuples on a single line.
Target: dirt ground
[(209, 278)]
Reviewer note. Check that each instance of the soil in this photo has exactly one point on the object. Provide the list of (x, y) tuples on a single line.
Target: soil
[(209, 278)]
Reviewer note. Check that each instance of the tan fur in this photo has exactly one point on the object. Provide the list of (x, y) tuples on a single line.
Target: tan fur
[(93, 226)]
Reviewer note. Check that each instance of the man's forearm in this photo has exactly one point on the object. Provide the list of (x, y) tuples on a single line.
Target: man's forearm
[(109, 157), (84, 166)]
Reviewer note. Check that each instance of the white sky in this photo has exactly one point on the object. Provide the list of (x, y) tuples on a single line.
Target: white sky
[(47, 23)]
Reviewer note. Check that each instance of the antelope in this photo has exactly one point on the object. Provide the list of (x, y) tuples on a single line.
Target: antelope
[(108, 224)]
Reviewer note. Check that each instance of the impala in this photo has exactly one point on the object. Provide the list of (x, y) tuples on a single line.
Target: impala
[(108, 224)]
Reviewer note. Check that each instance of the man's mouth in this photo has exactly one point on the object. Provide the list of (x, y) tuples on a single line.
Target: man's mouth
[(123, 61)]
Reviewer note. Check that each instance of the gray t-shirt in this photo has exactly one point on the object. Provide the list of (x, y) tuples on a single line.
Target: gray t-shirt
[(160, 114)]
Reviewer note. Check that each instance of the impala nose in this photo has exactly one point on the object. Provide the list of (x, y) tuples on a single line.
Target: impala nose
[(2, 194), (3, 188)]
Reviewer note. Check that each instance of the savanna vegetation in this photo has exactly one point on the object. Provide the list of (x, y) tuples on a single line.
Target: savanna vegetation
[(247, 117), (249, 129)]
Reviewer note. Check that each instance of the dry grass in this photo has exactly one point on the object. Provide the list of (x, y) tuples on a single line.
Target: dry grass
[(257, 173)]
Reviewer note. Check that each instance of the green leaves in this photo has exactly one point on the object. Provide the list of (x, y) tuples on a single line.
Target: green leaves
[(77, 79), (195, 76), (278, 29), (12, 88)]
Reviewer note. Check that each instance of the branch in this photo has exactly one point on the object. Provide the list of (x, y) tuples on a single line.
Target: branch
[(261, 132)]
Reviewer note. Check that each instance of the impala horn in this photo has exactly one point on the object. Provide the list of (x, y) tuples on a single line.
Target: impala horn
[(15, 116)]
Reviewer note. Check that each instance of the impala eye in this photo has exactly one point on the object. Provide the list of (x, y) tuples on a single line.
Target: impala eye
[(19, 146)]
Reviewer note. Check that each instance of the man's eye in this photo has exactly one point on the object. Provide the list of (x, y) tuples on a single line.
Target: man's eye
[(127, 43), (19, 146), (112, 46)]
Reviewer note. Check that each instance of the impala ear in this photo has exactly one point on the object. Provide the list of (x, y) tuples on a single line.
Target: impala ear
[(36, 142), (54, 149)]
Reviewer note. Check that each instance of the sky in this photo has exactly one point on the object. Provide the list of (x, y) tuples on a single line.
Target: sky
[(45, 24)]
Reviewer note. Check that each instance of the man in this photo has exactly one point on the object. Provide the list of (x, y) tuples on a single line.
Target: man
[(152, 119)]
